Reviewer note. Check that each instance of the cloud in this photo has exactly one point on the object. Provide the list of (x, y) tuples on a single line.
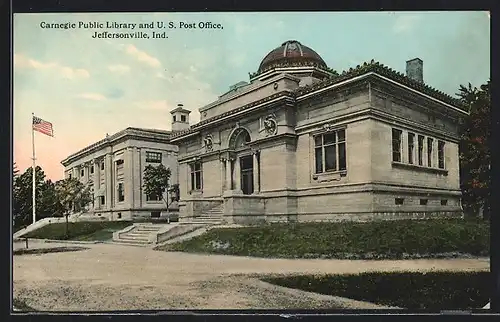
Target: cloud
[(115, 93), (120, 69), (142, 56), (92, 96), (405, 23), (21, 61)]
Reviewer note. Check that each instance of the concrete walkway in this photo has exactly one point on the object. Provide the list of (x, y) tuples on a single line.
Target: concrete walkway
[(116, 277)]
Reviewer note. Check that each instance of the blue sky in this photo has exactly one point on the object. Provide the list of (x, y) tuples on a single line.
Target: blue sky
[(89, 87)]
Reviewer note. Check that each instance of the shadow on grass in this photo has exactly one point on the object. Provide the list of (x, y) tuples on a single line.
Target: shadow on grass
[(21, 306), (438, 290), (36, 251)]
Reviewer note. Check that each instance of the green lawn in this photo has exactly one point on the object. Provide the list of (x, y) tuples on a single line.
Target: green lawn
[(89, 231), (432, 290), (347, 240)]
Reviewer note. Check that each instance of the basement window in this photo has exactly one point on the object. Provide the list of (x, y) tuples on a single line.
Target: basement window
[(119, 215), (399, 201), (444, 202), (423, 202)]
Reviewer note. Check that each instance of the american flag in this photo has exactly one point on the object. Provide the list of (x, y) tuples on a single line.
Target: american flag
[(42, 126)]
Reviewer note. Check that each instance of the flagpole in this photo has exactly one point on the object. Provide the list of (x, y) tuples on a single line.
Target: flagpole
[(34, 168)]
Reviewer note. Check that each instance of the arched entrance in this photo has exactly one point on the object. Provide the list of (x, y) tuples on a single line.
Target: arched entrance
[(245, 163)]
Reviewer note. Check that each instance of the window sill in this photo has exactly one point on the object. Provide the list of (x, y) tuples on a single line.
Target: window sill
[(419, 168), (329, 176), (195, 192)]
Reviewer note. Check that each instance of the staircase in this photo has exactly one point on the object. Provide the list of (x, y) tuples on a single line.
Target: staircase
[(141, 234), (212, 216)]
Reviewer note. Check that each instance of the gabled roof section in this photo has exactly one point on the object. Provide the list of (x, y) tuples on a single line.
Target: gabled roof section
[(376, 67)]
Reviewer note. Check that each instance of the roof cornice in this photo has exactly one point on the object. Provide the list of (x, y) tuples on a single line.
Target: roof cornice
[(128, 133)]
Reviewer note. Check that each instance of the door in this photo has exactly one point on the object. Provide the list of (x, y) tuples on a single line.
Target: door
[(246, 166)]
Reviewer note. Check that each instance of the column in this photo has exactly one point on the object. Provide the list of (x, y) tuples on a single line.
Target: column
[(137, 166), (108, 172), (229, 179), (222, 175), (256, 168), (237, 174), (97, 183), (129, 177)]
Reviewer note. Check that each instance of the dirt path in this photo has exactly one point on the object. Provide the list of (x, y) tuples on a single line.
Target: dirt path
[(115, 277)]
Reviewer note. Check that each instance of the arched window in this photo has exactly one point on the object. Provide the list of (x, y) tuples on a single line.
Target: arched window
[(239, 139)]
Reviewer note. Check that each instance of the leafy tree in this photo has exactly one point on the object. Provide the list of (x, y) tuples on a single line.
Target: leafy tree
[(156, 183), (475, 154), (73, 196), (15, 171), (23, 193)]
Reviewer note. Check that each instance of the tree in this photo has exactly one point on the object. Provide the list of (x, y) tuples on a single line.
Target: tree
[(73, 196), (474, 148), (156, 183), (23, 193)]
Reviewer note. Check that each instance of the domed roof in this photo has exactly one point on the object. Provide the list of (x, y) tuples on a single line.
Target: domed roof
[(291, 54)]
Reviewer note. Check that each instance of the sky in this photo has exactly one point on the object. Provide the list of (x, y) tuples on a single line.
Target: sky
[(87, 87)]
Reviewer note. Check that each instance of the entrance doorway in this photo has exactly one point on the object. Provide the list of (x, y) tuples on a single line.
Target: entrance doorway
[(246, 166)]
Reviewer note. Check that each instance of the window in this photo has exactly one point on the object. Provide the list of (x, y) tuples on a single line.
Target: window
[(183, 118), (102, 200), (82, 172), (102, 165), (119, 162), (423, 202), (68, 177), (399, 201), (429, 152), (411, 147), (153, 197), (174, 118), (396, 145), (91, 169), (196, 174), (121, 195), (153, 157), (444, 202), (330, 152), (441, 154), (420, 150)]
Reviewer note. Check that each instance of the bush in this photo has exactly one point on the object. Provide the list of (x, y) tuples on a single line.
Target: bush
[(347, 240), (410, 290), (92, 230)]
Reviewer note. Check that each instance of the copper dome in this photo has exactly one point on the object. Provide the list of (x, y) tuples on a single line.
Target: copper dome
[(291, 54)]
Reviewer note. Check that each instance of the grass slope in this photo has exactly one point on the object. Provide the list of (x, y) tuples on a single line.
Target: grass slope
[(89, 231), (410, 290), (348, 240)]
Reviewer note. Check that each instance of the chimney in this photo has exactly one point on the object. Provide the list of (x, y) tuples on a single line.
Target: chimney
[(415, 69), (180, 118)]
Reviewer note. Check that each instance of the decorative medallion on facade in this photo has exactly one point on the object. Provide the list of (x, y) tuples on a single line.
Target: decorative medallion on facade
[(209, 143), (270, 125), (328, 127)]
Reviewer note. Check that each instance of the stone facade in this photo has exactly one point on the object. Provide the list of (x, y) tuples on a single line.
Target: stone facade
[(114, 168), (367, 144)]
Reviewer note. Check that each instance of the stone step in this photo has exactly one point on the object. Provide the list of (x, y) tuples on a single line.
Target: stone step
[(136, 234), (125, 241), (134, 237), (146, 230)]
